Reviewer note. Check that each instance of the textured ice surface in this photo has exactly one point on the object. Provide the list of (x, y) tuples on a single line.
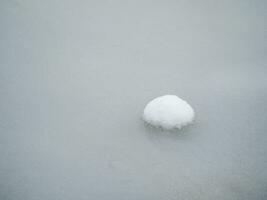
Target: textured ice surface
[(168, 112)]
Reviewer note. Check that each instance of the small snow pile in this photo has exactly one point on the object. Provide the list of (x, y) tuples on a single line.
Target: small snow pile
[(168, 112)]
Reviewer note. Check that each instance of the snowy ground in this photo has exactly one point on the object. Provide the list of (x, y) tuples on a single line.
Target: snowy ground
[(76, 75)]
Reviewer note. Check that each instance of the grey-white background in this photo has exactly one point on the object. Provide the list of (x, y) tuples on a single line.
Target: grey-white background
[(76, 75)]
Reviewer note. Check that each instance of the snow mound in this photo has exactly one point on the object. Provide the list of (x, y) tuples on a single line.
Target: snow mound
[(168, 112)]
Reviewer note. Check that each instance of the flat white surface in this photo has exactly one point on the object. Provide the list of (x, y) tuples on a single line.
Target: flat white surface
[(168, 112), (76, 75)]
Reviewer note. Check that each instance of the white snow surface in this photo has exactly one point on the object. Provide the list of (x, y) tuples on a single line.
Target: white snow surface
[(75, 77), (168, 112)]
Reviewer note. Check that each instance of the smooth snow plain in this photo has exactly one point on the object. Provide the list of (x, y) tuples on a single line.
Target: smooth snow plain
[(168, 112), (75, 77)]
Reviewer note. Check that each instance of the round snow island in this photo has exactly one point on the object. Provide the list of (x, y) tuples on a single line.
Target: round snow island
[(168, 112)]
